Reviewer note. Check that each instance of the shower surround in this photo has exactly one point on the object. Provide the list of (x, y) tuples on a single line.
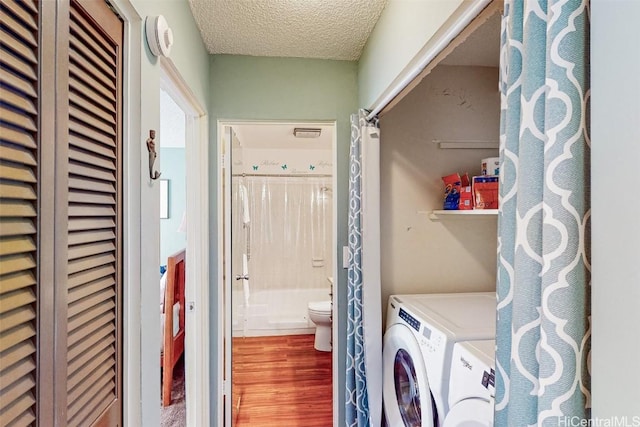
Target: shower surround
[(282, 239)]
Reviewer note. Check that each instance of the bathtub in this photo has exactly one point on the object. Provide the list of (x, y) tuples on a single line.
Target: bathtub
[(275, 312)]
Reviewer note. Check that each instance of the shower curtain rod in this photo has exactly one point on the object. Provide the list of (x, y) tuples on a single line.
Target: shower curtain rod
[(283, 175)]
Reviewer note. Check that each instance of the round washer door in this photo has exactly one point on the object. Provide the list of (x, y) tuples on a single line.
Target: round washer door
[(470, 413), (406, 392)]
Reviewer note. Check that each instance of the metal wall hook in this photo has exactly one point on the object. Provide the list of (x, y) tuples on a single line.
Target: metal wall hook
[(151, 146)]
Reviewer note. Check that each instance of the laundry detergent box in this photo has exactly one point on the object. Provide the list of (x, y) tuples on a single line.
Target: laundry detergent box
[(451, 191), (485, 192), (466, 195), (457, 191), (466, 198)]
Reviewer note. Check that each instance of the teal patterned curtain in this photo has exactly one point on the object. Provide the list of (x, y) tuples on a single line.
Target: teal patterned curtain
[(543, 284), (364, 346), (357, 402)]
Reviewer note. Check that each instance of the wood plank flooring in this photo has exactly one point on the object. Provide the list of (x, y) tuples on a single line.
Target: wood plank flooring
[(281, 382)]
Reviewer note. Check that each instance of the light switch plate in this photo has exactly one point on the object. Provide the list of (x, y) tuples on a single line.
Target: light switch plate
[(345, 257)]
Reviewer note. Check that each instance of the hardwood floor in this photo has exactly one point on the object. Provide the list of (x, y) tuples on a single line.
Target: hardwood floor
[(281, 382)]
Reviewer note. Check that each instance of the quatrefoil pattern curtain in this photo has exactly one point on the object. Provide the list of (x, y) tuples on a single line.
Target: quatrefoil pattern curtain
[(543, 285), (363, 406)]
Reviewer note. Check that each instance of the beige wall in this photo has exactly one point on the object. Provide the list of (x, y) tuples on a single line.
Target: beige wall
[(420, 255)]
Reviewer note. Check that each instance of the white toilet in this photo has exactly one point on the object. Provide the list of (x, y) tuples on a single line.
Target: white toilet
[(320, 314)]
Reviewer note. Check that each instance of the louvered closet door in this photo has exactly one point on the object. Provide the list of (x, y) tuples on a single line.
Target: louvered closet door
[(94, 349), (19, 152)]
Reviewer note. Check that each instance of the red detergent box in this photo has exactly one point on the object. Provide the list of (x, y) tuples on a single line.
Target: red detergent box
[(466, 198), (466, 195), (485, 192)]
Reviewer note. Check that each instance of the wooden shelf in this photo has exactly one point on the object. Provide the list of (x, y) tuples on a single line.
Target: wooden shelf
[(440, 214)]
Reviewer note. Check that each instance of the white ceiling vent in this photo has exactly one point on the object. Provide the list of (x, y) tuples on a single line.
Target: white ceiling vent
[(159, 35), (306, 132)]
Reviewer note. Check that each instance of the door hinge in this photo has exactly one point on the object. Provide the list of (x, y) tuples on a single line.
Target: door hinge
[(113, 9)]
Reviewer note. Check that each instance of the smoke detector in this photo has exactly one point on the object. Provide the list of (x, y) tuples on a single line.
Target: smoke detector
[(159, 35)]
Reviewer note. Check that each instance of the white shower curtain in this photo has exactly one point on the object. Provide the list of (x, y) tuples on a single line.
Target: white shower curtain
[(289, 243)]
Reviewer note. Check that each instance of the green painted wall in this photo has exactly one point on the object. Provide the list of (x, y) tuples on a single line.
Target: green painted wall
[(260, 88), (188, 53), (404, 27), (191, 59)]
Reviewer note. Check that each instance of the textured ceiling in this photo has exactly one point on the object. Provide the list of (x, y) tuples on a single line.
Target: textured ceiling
[(326, 29)]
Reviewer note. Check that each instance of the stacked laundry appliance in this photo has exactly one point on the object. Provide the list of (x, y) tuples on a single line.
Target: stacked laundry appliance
[(438, 360)]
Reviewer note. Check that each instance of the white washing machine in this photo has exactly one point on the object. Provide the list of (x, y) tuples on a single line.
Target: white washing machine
[(418, 344), (472, 385)]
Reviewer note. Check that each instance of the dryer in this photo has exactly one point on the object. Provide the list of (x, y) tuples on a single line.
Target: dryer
[(418, 345), (472, 385)]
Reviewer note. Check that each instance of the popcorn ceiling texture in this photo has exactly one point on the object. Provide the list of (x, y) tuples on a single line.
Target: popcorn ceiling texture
[(326, 29)]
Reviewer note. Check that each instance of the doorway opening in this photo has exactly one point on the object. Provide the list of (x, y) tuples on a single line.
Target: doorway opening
[(279, 221), (192, 219), (173, 216)]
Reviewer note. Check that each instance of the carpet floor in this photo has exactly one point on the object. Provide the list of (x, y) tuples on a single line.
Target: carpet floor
[(175, 415)]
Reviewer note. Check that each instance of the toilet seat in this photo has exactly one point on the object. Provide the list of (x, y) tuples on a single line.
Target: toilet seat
[(320, 306)]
